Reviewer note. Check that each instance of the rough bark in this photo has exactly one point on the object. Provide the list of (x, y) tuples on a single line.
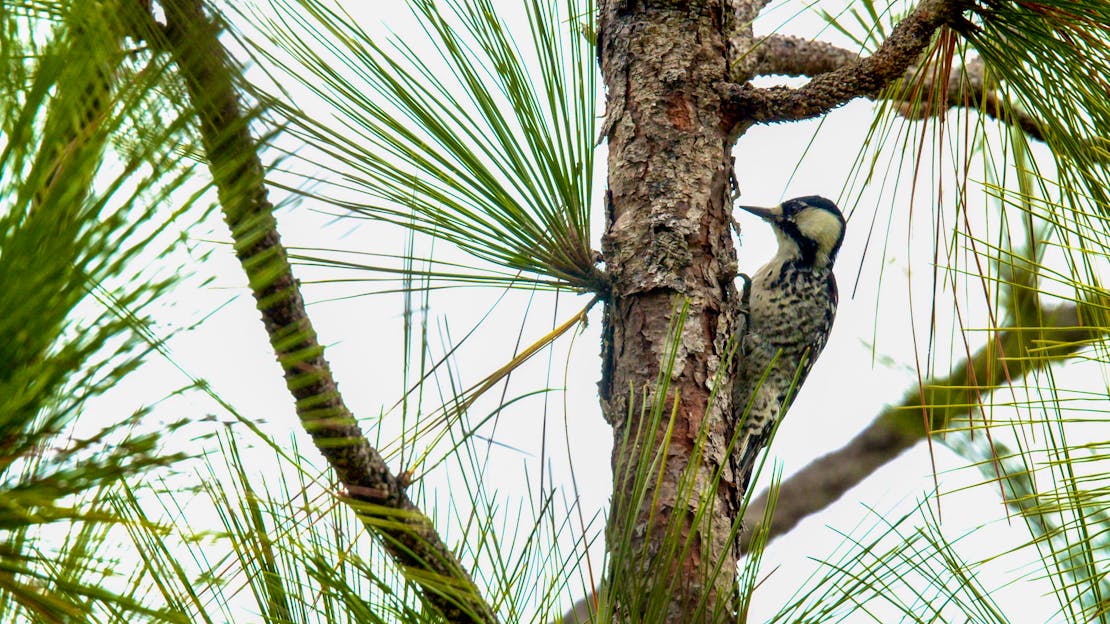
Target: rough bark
[(787, 55), (376, 494), (676, 73), (667, 239)]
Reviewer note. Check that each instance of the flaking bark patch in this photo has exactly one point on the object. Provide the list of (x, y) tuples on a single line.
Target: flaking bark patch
[(679, 113)]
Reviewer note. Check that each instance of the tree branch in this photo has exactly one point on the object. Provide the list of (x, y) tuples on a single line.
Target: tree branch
[(787, 55), (376, 494), (966, 85), (1010, 355), (862, 77), (741, 39)]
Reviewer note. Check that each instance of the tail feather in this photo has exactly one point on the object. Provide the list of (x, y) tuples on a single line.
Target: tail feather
[(746, 465), (752, 443)]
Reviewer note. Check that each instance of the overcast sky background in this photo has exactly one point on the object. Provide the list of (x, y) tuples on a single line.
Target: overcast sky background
[(869, 361)]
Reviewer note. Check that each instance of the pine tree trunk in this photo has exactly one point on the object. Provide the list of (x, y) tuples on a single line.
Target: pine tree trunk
[(667, 240)]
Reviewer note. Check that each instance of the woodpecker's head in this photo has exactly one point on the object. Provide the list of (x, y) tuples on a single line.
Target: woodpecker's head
[(809, 229)]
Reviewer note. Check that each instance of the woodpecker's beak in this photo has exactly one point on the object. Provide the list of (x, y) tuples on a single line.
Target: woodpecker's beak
[(768, 214)]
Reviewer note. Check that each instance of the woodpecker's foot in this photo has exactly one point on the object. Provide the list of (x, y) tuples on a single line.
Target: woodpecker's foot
[(745, 296), (733, 182)]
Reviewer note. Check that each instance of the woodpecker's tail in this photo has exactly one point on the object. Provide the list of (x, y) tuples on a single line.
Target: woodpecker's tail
[(750, 445), (746, 464)]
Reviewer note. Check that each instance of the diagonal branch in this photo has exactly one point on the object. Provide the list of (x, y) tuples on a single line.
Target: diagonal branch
[(862, 77), (1012, 354), (373, 491), (966, 85)]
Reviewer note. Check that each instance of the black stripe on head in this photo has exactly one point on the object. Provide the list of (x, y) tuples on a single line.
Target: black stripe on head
[(816, 201), (792, 207), (806, 247)]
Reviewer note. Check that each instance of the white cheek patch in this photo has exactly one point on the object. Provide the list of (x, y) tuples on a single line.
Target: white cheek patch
[(821, 227), (788, 249)]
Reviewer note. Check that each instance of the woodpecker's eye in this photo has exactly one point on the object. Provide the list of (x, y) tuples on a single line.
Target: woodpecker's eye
[(792, 207), (820, 203)]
